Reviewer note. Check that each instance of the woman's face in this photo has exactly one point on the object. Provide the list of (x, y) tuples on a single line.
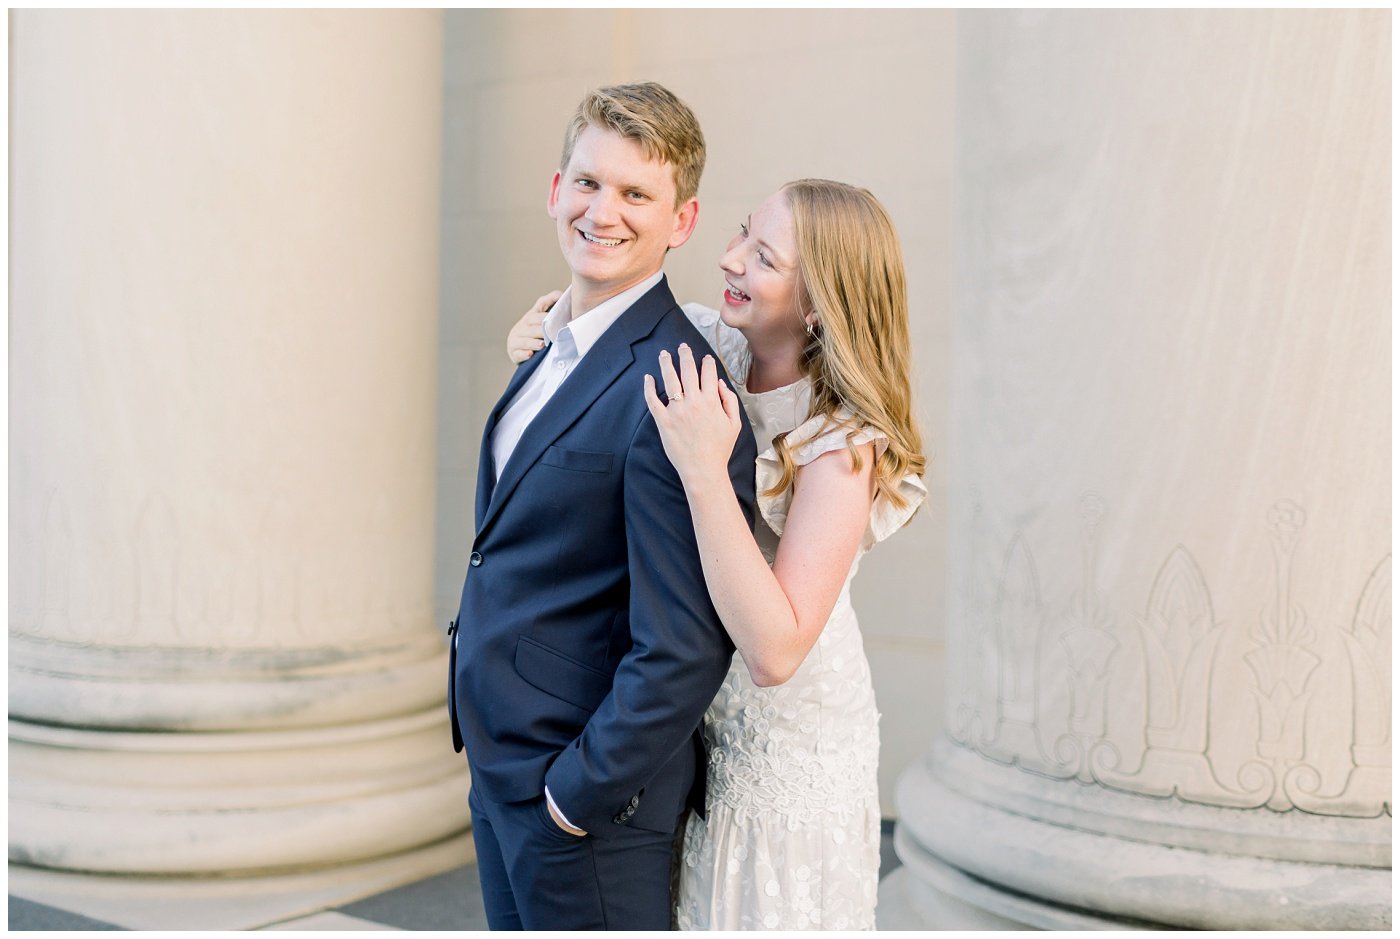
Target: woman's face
[(761, 275)]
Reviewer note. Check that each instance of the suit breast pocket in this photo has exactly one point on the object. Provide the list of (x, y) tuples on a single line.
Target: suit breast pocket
[(583, 461)]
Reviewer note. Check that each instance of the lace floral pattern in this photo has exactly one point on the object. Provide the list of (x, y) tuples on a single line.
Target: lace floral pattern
[(791, 837), (791, 834), (798, 750)]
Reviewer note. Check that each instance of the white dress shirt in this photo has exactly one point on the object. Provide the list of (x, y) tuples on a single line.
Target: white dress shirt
[(570, 337)]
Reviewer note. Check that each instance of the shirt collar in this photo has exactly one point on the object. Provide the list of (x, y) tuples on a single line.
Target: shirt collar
[(588, 328)]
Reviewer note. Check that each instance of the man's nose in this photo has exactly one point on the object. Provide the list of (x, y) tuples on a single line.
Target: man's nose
[(603, 208)]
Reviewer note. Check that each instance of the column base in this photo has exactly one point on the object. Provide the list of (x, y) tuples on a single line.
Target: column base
[(232, 903), (109, 687), (1104, 870), (232, 803), (934, 895)]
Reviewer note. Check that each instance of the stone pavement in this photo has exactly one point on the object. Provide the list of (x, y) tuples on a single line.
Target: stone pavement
[(450, 900)]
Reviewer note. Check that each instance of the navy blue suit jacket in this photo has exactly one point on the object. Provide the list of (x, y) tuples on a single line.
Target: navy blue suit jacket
[(587, 648)]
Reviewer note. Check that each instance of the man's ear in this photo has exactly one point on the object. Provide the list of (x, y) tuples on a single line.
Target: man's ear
[(686, 218), (552, 207)]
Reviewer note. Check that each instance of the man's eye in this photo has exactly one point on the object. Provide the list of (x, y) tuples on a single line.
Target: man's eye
[(587, 182)]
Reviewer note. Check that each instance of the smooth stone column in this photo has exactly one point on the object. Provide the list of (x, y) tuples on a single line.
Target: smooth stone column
[(1169, 682), (223, 371)]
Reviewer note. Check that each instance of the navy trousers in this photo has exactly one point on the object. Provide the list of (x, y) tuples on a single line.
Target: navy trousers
[(535, 875)]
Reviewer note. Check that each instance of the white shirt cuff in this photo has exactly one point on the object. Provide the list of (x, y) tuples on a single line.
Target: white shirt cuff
[(558, 811)]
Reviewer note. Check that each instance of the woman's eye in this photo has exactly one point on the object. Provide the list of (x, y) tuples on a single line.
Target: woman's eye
[(743, 230), (763, 259)]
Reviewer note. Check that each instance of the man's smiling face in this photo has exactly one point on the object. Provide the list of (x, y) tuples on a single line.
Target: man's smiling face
[(615, 211)]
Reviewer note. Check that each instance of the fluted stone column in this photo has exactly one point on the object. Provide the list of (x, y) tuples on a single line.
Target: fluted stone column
[(1169, 647), (222, 374)]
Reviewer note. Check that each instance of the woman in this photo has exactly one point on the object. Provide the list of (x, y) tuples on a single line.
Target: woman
[(814, 333)]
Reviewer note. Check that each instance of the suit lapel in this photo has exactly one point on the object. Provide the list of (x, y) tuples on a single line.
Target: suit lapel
[(610, 356), (486, 467)]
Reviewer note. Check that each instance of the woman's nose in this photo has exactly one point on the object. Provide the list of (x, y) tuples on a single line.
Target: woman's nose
[(730, 262)]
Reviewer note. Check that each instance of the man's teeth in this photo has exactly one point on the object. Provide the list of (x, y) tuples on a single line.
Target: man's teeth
[(606, 242)]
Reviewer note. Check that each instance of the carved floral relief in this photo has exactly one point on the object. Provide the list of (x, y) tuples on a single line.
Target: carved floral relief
[(1049, 680)]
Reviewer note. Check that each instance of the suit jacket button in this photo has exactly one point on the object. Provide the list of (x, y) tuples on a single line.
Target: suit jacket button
[(476, 559)]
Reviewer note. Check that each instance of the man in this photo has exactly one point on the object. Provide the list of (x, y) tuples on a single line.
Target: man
[(586, 647)]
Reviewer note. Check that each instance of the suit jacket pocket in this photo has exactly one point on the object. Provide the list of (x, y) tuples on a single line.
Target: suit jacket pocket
[(560, 676), (587, 461)]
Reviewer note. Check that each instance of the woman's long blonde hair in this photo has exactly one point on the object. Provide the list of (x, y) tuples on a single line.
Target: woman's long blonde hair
[(851, 273)]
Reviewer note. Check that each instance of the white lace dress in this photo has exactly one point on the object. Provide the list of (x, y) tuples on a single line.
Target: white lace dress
[(791, 838)]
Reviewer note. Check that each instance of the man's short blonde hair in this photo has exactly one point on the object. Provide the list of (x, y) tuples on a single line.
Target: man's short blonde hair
[(654, 117)]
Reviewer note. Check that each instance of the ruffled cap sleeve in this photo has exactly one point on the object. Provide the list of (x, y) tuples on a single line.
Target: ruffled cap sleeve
[(808, 441)]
